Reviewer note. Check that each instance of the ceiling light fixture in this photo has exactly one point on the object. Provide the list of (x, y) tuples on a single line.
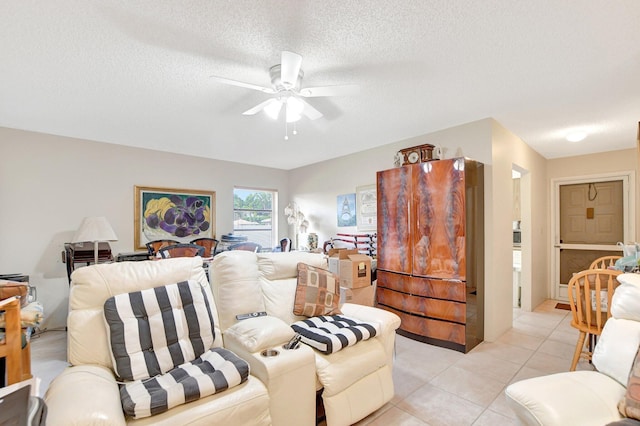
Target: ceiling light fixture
[(576, 136), (273, 109), (293, 109)]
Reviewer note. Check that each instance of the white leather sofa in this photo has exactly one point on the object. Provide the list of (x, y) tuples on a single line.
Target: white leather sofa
[(587, 397), (86, 393), (355, 381)]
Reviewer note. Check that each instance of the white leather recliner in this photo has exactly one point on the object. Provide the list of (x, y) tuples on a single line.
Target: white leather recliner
[(587, 397), (86, 393), (354, 381)]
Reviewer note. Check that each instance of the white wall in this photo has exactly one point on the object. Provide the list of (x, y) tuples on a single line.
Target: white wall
[(49, 183)]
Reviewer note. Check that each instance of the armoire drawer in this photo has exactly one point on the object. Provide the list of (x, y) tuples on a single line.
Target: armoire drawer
[(439, 289), (423, 306), (432, 328)]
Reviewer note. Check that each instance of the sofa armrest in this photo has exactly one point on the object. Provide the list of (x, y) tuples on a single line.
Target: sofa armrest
[(388, 320), (576, 398), (256, 334), (389, 323), (82, 395), (289, 375)]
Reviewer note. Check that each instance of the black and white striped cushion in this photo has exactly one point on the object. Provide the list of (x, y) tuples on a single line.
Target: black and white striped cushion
[(331, 333), (215, 371), (154, 330)]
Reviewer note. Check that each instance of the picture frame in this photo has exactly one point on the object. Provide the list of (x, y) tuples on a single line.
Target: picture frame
[(170, 213), (367, 208), (346, 210)]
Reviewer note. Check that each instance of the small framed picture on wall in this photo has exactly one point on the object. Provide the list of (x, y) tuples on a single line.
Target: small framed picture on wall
[(346, 210), (366, 207)]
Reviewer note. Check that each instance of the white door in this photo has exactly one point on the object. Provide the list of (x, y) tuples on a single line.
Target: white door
[(591, 216)]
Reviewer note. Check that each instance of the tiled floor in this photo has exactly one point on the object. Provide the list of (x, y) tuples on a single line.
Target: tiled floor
[(435, 386)]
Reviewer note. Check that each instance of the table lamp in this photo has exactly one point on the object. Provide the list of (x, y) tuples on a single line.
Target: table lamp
[(95, 230)]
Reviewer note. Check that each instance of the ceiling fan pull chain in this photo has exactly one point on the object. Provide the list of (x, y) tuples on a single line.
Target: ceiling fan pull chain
[(286, 130), (295, 129)]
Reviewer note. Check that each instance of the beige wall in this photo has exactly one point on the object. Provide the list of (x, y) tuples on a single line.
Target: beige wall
[(509, 152), (49, 183)]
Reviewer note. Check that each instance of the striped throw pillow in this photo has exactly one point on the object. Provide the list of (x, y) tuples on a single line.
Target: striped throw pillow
[(154, 330), (331, 333), (214, 371)]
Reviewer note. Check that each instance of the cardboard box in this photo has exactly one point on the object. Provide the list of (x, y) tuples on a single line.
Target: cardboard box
[(336, 251), (353, 269), (361, 296)]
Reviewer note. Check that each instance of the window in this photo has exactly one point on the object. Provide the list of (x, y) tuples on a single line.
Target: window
[(254, 215)]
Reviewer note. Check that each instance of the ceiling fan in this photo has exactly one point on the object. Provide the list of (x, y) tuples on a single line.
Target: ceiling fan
[(286, 78)]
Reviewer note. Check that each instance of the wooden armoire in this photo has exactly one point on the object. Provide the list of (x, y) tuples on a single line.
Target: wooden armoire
[(430, 264)]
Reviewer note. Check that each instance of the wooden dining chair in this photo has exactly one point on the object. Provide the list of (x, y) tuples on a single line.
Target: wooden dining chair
[(181, 250), (156, 245), (247, 246), (209, 244), (604, 262), (11, 345), (590, 294)]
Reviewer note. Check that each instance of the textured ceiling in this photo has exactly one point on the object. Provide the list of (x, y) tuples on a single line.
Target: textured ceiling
[(138, 73)]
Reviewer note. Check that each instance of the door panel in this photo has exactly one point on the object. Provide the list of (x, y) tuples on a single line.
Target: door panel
[(572, 261), (590, 221), (605, 223), (393, 192), (438, 236)]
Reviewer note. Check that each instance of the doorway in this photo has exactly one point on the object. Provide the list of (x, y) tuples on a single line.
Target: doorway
[(591, 215), (516, 226), (521, 223)]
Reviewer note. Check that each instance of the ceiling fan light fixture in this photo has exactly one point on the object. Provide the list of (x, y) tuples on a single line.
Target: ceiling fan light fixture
[(294, 108), (292, 118), (273, 109)]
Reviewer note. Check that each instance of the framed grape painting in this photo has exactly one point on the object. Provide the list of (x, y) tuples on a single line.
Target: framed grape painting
[(175, 214)]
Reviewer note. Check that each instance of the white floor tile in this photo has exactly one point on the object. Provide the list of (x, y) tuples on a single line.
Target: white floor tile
[(491, 418), (473, 387), (515, 338), (440, 408)]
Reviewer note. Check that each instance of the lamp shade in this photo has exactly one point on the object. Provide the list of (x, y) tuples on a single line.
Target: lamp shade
[(94, 229), (294, 109)]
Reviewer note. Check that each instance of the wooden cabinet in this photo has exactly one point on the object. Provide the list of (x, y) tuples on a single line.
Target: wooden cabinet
[(430, 250)]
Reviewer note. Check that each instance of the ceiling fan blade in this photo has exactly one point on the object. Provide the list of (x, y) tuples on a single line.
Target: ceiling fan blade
[(310, 112), (290, 68), (342, 90), (243, 84), (262, 105)]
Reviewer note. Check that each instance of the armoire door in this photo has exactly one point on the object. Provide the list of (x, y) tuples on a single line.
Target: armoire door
[(393, 197), (438, 225)]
